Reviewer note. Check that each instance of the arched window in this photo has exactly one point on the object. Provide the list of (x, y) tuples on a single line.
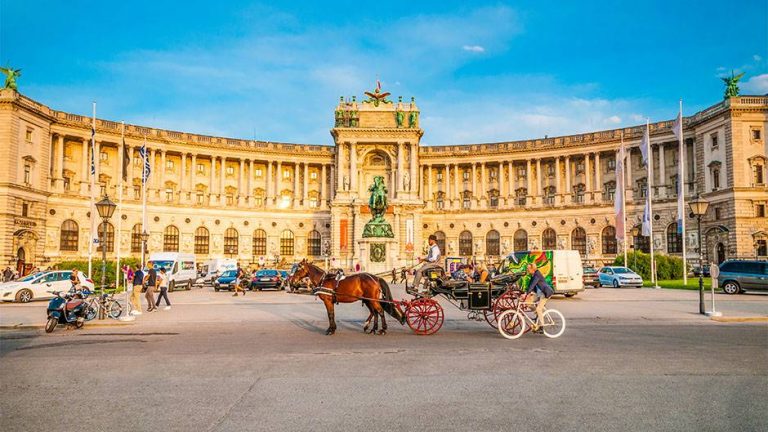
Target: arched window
[(609, 240), (549, 239), (492, 246), (109, 240), (69, 236), (674, 239), (579, 241), (230, 242), (314, 243), (136, 238), (641, 242), (171, 239), (441, 242), (286, 243), (202, 241), (521, 240), (259, 242), (465, 243)]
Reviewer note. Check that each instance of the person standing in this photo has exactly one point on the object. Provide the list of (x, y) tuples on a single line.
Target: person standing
[(7, 274), (394, 275), (431, 261), (162, 282), (238, 279), (136, 280), (403, 275), (150, 283)]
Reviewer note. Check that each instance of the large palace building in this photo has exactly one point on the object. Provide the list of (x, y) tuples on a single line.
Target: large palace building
[(257, 201)]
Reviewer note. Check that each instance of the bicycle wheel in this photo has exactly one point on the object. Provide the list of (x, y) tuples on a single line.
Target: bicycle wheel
[(114, 309), (92, 311), (553, 323), (511, 324)]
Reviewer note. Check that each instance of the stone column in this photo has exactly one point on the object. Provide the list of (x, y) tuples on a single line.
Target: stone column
[(400, 167), (510, 180), (182, 173), (331, 183), (340, 164), (558, 190), (295, 185), (529, 178), (483, 181), (268, 186), (129, 181), (662, 172), (249, 183), (153, 174), (447, 183), (630, 186), (539, 179), (240, 177), (97, 163), (474, 180), (193, 173), (278, 181), (223, 179), (353, 166), (212, 181), (568, 190), (58, 170), (598, 178), (430, 198), (421, 183), (588, 177), (414, 164), (162, 169), (322, 198), (456, 190), (305, 187), (84, 172)]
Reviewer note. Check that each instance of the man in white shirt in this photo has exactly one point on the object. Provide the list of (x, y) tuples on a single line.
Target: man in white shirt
[(431, 261)]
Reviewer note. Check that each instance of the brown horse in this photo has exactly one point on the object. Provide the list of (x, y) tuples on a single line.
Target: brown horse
[(365, 287)]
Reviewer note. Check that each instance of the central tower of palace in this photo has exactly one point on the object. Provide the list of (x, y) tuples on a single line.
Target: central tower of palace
[(376, 137)]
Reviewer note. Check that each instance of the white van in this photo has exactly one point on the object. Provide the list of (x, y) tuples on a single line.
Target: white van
[(213, 268), (179, 267), (561, 268)]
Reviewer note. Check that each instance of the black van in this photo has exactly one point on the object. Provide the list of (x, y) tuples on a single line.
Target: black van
[(742, 275)]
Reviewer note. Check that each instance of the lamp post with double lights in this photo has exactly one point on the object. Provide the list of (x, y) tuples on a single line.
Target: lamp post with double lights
[(106, 209), (699, 208)]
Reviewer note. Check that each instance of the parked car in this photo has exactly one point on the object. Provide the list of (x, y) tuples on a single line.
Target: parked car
[(213, 268), (181, 268), (226, 281), (618, 277), (591, 278), (267, 279), (36, 286), (737, 276)]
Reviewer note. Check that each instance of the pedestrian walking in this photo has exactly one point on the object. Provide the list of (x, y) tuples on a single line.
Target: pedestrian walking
[(150, 283), (7, 274), (238, 278), (136, 280), (403, 275), (394, 275), (163, 284)]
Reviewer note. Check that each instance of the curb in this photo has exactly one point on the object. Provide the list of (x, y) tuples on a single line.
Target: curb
[(740, 319), (22, 326)]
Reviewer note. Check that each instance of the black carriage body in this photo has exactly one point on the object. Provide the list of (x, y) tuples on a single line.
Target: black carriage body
[(479, 296)]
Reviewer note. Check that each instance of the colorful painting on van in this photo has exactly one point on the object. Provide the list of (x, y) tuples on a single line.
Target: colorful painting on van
[(542, 259)]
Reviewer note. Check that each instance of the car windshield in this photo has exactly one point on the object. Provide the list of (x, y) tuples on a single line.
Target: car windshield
[(622, 270), (229, 273), (590, 270), (167, 265), (263, 273), (30, 277)]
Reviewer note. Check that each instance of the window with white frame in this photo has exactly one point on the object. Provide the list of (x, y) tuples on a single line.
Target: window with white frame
[(29, 135), (714, 141), (200, 168), (756, 134), (313, 175), (200, 197), (259, 173), (286, 174), (169, 194), (521, 172), (169, 164), (466, 175), (230, 170), (27, 173)]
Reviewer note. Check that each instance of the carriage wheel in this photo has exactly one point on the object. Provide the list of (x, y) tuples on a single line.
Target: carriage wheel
[(424, 316), (504, 302)]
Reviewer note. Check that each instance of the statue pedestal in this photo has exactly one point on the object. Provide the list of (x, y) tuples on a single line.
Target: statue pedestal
[(377, 255)]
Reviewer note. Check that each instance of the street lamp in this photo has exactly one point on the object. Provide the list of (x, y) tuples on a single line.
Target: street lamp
[(699, 208), (106, 209), (635, 232)]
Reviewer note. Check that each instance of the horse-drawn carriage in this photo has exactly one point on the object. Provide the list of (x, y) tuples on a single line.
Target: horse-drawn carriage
[(423, 314)]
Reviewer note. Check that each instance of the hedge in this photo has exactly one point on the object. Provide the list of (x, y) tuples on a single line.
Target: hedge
[(667, 267), (82, 265)]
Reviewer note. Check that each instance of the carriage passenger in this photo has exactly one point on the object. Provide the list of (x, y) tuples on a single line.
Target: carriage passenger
[(431, 261)]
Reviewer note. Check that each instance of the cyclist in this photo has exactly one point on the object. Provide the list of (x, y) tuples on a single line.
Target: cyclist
[(538, 289)]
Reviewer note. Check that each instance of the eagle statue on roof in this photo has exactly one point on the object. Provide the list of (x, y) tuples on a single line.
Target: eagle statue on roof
[(377, 96)]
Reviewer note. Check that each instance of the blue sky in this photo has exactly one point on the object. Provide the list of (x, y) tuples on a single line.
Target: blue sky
[(480, 71)]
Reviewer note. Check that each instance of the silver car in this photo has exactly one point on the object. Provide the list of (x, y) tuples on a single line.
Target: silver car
[(618, 277)]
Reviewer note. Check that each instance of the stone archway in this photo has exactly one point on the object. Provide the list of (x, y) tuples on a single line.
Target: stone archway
[(716, 242), (24, 247), (377, 162)]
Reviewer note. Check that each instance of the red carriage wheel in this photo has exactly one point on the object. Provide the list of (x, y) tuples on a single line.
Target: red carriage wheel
[(424, 316), (506, 301)]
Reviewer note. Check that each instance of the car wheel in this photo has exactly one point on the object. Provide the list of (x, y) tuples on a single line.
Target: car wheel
[(731, 287), (24, 296), (215, 289), (189, 286), (616, 283), (569, 295), (171, 286)]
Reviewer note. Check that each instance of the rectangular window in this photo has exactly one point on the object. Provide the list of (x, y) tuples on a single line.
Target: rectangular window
[(440, 177), (494, 202), (717, 213), (103, 189), (286, 174), (313, 175), (24, 209), (137, 192), (103, 156), (439, 203), (715, 143), (466, 175), (27, 173), (29, 135), (200, 168), (230, 170), (759, 178), (715, 179), (494, 174), (467, 203), (169, 165), (611, 165), (66, 183), (200, 198), (580, 167), (313, 202), (756, 134), (258, 200), (760, 210), (551, 170), (521, 172), (230, 200), (169, 195)]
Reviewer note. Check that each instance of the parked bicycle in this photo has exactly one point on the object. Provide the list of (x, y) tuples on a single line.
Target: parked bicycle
[(513, 323), (111, 306)]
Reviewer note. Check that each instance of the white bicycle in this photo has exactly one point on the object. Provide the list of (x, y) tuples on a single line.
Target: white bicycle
[(514, 322)]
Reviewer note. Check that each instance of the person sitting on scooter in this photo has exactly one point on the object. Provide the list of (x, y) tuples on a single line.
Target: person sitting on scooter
[(75, 279)]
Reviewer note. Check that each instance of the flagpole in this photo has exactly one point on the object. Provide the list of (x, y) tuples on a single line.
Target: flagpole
[(92, 172), (144, 178), (118, 273), (681, 198), (624, 200), (649, 192)]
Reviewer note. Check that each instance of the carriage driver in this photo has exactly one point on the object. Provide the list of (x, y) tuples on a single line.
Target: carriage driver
[(538, 289), (431, 261)]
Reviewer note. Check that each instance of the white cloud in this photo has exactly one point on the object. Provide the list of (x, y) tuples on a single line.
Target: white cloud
[(473, 48), (757, 84), (756, 58), (614, 119)]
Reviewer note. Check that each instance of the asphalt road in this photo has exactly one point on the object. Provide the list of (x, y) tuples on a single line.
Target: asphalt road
[(284, 374)]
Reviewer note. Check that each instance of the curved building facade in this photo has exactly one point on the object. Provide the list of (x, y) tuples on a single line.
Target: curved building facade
[(263, 201)]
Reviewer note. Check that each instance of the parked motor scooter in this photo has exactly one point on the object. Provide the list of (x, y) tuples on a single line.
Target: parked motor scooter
[(65, 309)]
